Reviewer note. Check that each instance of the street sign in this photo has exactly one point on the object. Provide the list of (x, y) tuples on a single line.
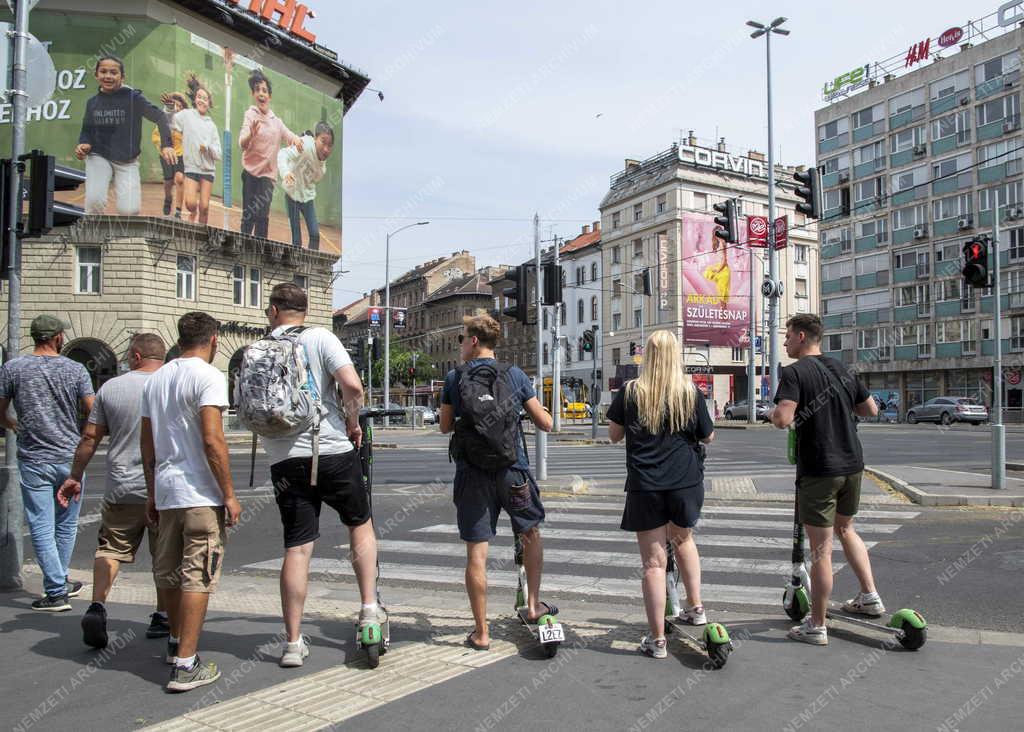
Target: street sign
[(757, 344), (757, 231), (374, 315), (781, 232)]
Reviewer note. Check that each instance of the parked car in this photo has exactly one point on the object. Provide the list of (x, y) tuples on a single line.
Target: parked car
[(393, 419), (948, 409), (738, 410), (429, 415)]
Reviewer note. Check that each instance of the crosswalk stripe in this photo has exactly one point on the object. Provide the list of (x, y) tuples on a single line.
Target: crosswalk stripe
[(726, 510), (755, 542), (502, 554), (716, 523), (581, 584)]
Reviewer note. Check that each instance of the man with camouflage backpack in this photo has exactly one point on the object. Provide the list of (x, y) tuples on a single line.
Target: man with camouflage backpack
[(481, 403), (287, 392)]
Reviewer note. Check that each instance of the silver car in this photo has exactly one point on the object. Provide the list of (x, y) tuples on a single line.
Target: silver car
[(738, 410), (948, 409)]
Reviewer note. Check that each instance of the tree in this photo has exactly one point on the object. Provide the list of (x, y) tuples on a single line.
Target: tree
[(401, 363)]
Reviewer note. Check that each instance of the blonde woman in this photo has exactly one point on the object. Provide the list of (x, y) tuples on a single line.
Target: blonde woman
[(664, 418)]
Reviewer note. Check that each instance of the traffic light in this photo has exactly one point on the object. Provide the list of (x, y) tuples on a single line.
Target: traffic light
[(809, 189), (412, 372), (729, 221), (552, 283), (632, 348), (519, 293), (588, 341), (375, 349), (645, 281), (45, 177), (975, 271), (8, 218)]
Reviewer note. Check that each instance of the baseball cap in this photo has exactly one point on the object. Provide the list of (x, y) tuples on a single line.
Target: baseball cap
[(47, 326)]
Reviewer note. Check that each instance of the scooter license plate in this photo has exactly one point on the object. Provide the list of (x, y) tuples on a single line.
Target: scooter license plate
[(551, 633)]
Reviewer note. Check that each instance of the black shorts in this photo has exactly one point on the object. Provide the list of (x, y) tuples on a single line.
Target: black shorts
[(480, 495), (339, 485), (646, 510), (170, 170), (199, 176)]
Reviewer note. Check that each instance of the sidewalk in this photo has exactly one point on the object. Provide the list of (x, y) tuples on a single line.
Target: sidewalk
[(941, 487)]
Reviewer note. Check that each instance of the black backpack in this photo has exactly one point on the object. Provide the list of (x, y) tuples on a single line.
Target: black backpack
[(487, 430)]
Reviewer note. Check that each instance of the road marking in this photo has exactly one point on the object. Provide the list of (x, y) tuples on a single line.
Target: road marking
[(731, 510)]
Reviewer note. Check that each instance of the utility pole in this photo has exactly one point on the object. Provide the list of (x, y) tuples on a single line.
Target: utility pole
[(556, 369), (413, 415), (541, 438), (751, 359), (369, 368), (998, 430), (595, 389), (11, 552)]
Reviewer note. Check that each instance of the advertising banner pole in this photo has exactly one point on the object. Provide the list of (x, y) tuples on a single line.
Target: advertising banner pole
[(541, 448), (226, 147), (998, 430)]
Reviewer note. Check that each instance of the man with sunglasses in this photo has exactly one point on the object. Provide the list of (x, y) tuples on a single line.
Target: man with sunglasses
[(481, 494)]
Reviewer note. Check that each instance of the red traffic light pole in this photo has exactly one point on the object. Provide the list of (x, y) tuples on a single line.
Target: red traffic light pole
[(998, 430)]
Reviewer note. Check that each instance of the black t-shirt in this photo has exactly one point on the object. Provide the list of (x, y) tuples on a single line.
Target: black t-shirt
[(664, 461), (826, 429)]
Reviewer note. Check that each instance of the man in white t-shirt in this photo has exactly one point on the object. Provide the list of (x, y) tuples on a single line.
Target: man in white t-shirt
[(190, 493), (339, 475)]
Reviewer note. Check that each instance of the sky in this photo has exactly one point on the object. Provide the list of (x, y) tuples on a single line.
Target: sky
[(493, 111)]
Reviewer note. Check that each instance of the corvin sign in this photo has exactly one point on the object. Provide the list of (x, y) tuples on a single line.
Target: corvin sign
[(705, 158)]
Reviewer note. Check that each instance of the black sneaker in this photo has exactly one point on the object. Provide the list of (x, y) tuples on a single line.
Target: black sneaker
[(167, 207), (94, 626), (158, 626), (172, 652), (52, 604), (186, 679), (74, 588)]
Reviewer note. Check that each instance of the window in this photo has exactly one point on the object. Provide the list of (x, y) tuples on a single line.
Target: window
[(840, 237), (638, 211), (1005, 195), (906, 258), (958, 124), (616, 321), (838, 305), (876, 228), (738, 354), (238, 284), (905, 218), (834, 198), (90, 270), (873, 152), (616, 220), (950, 85), (616, 288), (946, 290), (593, 307), (255, 288), (948, 331), (579, 310), (838, 341), (907, 179), (969, 334), (839, 162), (700, 201), (951, 166), (996, 67), (616, 356), (872, 189), (186, 279), (580, 274), (593, 271), (638, 248), (638, 318), (660, 203), (949, 252), (1016, 244), (873, 263), (835, 270), (874, 300), (800, 253), (834, 128), (616, 255), (302, 281), (904, 102), (545, 319), (1007, 151), (561, 313), (545, 351), (907, 295), (868, 338), (1017, 333), (951, 207), (865, 117), (906, 139), (800, 288)]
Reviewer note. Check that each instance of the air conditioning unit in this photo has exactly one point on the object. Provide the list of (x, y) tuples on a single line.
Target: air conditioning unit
[(965, 100), (920, 232), (1014, 212), (920, 149), (965, 222), (844, 176), (1011, 125)]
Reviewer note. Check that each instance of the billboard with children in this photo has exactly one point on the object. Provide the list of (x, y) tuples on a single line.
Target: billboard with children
[(716, 286), (167, 123)]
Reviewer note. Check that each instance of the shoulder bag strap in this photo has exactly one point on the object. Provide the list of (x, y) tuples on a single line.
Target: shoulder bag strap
[(831, 377)]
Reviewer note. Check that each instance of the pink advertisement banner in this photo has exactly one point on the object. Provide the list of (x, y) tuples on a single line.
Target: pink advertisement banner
[(716, 285)]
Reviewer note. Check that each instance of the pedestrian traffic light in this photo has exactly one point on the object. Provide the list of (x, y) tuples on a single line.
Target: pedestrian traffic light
[(588, 341), (975, 271), (809, 189), (728, 222), (375, 348), (552, 283), (8, 218), (412, 372), (519, 293), (45, 177), (632, 348)]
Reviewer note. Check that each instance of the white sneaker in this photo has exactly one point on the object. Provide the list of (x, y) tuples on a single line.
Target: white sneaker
[(808, 632), (654, 647), (859, 605), (693, 615), (294, 653)]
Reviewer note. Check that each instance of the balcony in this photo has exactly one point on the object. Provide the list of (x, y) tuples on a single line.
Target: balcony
[(868, 131), (986, 303), (871, 166), (988, 347), (866, 243), (902, 236), (942, 227), (948, 350), (906, 353), (833, 321), (950, 101), (950, 142), (910, 194), (829, 287), (907, 312), (953, 183), (835, 178), (867, 317), (947, 309), (993, 173), (868, 205), (834, 143), (905, 274), (996, 85), (867, 280), (901, 119), (831, 251)]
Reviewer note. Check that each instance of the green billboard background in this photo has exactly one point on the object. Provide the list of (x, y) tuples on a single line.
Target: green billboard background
[(157, 58)]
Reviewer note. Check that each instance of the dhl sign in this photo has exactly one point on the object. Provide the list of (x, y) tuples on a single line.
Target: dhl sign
[(288, 15)]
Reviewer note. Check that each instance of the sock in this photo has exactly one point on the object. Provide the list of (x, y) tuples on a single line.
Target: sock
[(185, 663), (172, 639), (371, 606)]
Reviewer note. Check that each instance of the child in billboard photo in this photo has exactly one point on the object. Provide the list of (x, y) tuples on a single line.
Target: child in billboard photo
[(174, 175), (111, 137), (200, 143), (261, 138), (300, 172)]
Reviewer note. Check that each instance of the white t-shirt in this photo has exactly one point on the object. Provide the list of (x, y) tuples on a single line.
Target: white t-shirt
[(325, 355), (171, 400)]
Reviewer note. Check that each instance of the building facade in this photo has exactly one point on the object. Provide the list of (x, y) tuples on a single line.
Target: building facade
[(918, 161), (649, 221), (580, 259)]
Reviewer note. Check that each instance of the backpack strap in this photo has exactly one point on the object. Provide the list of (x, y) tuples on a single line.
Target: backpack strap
[(835, 383)]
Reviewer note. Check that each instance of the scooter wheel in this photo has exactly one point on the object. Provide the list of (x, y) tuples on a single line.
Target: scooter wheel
[(373, 655), (550, 649), (912, 638), (797, 609), (718, 654)]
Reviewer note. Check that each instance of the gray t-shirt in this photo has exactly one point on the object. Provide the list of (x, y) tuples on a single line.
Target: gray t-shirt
[(46, 392), (117, 407)]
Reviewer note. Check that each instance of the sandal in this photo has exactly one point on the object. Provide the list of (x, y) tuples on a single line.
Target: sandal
[(474, 645), (551, 610)]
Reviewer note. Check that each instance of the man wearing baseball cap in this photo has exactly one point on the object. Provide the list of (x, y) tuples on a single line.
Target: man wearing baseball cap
[(47, 390)]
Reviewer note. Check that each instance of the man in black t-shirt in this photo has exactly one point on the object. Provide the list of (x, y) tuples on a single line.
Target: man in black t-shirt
[(818, 397)]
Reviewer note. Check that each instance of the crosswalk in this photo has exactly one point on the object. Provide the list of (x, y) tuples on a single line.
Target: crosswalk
[(609, 462), (744, 552)]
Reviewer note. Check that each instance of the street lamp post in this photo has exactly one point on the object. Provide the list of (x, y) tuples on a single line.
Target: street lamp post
[(773, 258), (387, 316)]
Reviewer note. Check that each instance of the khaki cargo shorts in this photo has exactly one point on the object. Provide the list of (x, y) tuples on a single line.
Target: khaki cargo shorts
[(822, 497), (121, 529), (190, 548)]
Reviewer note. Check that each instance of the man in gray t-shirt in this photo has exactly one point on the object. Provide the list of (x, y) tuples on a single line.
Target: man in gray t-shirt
[(47, 390), (116, 412)]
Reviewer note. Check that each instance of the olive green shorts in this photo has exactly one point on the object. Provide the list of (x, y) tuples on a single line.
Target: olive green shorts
[(822, 497)]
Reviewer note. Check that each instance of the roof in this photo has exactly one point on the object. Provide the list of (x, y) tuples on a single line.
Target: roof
[(581, 242), (355, 303), (472, 285)]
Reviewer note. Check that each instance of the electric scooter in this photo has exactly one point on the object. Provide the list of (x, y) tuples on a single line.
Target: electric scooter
[(714, 641), (374, 638), (546, 629), (908, 626)]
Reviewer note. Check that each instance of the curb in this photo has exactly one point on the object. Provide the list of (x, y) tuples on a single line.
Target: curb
[(1015, 466), (923, 498)]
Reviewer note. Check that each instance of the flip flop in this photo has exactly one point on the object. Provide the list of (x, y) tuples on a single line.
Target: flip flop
[(474, 645), (551, 610)]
